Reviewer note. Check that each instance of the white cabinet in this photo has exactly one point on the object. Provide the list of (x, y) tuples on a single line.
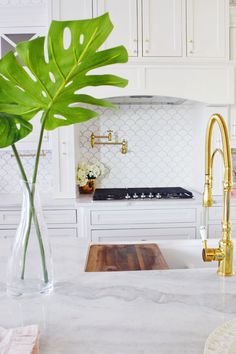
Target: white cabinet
[(71, 9), (60, 222), (207, 28), (132, 235), (162, 28), (215, 217), (138, 222), (148, 28), (124, 16)]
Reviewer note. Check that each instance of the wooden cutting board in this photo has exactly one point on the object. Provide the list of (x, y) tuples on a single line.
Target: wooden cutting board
[(103, 258)]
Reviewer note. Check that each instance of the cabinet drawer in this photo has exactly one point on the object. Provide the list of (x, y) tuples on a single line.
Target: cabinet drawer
[(215, 214), (9, 217), (215, 231), (51, 217), (10, 233), (143, 234), (52, 232), (60, 216), (62, 232), (158, 216)]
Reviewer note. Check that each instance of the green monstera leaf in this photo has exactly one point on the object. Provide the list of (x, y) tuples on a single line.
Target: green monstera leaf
[(53, 71), (12, 129)]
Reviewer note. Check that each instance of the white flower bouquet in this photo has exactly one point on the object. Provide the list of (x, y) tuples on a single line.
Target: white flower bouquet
[(86, 173)]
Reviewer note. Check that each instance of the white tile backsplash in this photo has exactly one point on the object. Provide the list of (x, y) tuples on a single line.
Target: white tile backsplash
[(9, 174), (161, 149)]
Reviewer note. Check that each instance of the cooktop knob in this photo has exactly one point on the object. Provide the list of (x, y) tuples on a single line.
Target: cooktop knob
[(135, 196), (143, 196), (150, 195), (127, 196), (158, 196)]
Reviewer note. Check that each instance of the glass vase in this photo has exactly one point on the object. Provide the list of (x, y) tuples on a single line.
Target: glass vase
[(30, 269)]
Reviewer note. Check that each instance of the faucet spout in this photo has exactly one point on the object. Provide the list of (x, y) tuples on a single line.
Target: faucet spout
[(224, 253)]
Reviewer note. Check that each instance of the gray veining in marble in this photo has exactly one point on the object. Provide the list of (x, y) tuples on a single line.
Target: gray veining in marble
[(151, 312)]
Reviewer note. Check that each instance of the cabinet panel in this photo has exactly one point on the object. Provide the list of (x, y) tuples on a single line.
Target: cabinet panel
[(215, 231), (62, 232), (53, 232), (162, 28), (215, 214), (51, 217), (206, 28), (143, 216), (75, 9), (123, 14), (143, 234)]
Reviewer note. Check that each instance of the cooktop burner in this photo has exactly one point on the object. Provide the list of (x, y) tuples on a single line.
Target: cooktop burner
[(141, 193)]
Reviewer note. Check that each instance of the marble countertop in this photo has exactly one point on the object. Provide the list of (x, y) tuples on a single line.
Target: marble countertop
[(148, 312)]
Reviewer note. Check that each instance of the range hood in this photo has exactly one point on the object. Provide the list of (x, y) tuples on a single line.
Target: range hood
[(146, 99)]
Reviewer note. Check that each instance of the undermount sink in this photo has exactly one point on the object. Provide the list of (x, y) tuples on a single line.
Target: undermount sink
[(185, 254)]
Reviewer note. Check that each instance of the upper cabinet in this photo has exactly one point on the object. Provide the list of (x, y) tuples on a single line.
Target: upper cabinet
[(124, 16), (162, 28), (168, 28), (207, 28), (71, 9)]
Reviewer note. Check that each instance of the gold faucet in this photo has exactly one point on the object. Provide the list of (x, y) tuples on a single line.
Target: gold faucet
[(224, 253)]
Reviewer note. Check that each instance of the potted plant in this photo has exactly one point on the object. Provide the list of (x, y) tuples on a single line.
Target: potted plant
[(46, 76), (86, 176)]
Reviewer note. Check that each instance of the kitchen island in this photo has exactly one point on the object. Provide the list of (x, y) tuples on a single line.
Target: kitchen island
[(142, 312)]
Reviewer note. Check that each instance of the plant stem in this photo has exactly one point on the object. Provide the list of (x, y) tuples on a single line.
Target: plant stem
[(39, 148), (18, 160), (38, 232), (24, 177)]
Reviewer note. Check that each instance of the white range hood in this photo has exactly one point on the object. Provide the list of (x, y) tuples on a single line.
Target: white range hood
[(211, 83)]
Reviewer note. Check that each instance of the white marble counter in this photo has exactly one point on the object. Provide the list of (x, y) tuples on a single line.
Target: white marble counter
[(145, 312)]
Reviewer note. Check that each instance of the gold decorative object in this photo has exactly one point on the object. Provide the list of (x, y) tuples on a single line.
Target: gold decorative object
[(123, 143), (89, 187), (224, 253)]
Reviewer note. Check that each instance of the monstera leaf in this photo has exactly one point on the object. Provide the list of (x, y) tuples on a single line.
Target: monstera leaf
[(53, 71), (12, 129)]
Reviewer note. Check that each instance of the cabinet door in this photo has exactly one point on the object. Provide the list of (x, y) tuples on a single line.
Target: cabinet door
[(72, 9), (207, 28), (162, 28), (123, 14)]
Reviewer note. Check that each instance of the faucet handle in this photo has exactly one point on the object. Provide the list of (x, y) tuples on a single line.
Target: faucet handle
[(109, 136), (203, 233), (209, 254)]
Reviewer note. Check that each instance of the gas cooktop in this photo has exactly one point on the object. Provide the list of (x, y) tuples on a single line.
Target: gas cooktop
[(141, 193)]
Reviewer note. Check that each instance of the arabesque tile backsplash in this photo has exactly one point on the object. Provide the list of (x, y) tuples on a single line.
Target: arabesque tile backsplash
[(161, 149)]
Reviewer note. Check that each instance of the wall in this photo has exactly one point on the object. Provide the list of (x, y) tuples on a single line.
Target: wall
[(162, 145)]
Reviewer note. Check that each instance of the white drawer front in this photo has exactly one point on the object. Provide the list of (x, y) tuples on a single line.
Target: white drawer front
[(143, 234), (215, 231), (158, 216), (215, 214), (9, 217), (10, 233), (60, 216), (62, 232), (51, 217)]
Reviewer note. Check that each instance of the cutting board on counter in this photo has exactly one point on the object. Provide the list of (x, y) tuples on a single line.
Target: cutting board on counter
[(104, 258)]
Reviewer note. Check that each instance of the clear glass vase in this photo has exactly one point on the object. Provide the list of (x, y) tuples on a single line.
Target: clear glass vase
[(30, 268)]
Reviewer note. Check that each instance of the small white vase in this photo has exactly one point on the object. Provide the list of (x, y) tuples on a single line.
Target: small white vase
[(30, 268)]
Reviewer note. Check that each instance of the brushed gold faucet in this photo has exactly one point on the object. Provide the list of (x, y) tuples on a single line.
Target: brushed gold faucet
[(224, 253)]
